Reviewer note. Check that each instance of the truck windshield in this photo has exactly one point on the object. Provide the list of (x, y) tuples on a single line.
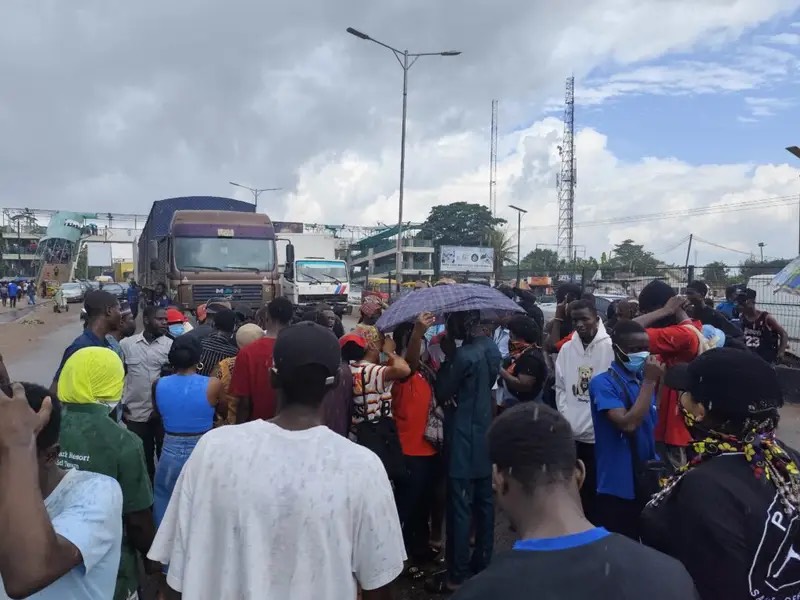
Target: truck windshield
[(224, 254), (321, 271)]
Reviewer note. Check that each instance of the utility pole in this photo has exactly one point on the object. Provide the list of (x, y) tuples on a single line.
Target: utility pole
[(519, 236), (689, 250), (255, 191), (761, 247), (402, 57)]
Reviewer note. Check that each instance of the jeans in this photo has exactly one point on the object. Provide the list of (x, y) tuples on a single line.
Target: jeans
[(174, 454), (414, 497), (468, 498), (589, 488), (152, 435)]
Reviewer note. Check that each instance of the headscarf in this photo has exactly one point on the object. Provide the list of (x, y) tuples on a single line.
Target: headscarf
[(755, 438), (247, 334), (369, 333), (92, 375)]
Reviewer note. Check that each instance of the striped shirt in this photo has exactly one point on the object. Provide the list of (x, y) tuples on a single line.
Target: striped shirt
[(216, 347), (372, 394)]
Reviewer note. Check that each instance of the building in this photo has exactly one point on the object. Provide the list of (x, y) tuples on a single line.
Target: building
[(19, 241), (374, 256)]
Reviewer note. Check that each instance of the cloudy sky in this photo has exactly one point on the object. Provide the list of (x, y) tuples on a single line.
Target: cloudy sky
[(107, 106)]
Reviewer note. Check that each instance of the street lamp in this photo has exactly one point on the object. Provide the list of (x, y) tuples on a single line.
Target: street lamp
[(255, 191), (761, 247), (796, 151), (402, 57), (520, 211)]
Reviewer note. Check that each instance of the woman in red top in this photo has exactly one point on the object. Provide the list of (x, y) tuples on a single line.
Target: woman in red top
[(411, 402)]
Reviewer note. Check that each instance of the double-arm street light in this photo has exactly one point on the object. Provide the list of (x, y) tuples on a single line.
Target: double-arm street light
[(520, 212), (796, 151), (255, 191), (402, 57)]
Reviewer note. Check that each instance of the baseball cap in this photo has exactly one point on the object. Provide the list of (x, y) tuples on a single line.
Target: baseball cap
[(306, 344), (354, 338), (729, 382), (215, 306), (174, 316)]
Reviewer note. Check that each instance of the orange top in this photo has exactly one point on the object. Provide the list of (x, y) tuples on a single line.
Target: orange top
[(411, 401)]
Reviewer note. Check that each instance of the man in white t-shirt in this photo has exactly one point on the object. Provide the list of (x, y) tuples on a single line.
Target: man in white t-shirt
[(60, 531), (314, 514)]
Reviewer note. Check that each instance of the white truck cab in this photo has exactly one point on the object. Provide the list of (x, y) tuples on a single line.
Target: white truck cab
[(309, 280)]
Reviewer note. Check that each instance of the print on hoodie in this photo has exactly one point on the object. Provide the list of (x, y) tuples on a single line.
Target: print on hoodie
[(581, 389)]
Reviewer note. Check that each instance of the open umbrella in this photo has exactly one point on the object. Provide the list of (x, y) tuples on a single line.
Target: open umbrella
[(788, 278), (444, 299)]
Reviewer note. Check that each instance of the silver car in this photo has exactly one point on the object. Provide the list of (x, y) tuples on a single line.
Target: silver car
[(72, 292)]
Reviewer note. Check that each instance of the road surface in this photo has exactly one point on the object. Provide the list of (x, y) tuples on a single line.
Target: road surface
[(39, 362)]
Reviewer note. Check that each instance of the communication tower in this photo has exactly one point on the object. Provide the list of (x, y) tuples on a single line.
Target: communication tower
[(493, 162), (567, 178)]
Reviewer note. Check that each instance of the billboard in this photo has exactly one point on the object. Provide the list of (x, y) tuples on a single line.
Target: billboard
[(98, 255), (463, 259)]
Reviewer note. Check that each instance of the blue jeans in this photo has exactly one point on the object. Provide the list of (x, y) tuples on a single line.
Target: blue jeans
[(174, 454)]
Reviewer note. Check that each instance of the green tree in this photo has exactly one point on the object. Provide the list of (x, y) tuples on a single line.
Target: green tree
[(751, 267), (603, 258), (541, 261), (633, 258), (460, 224), (715, 273), (505, 249)]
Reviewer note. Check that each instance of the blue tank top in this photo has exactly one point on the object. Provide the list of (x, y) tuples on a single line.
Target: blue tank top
[(183, 403)]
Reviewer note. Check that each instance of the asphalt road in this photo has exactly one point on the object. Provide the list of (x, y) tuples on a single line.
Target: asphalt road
[(40, 362)]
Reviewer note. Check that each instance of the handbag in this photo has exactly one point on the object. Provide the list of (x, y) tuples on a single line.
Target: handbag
[(647, 474), (380, 435), (434, 426)]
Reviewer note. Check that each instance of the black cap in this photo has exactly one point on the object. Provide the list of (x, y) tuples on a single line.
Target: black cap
[(729, 382), (306, 344)]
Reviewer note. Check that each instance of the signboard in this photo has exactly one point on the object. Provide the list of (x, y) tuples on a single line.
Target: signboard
[(466, 259), (98, 255)]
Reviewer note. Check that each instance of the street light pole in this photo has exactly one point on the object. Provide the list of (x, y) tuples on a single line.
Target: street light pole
[(255, 191), (519, 236), (796, 151), (402, 57), (761, 247)]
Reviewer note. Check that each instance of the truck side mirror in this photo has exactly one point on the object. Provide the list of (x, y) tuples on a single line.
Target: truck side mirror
[(288, 272)]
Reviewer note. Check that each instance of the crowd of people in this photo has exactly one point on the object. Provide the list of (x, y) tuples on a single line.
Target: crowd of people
[(270, 456), (12, 292)]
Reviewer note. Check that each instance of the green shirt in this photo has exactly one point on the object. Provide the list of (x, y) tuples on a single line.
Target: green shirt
[(92, 441)]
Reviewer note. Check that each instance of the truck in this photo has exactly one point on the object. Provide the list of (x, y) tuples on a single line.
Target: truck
[(312, 274), (205, 247)]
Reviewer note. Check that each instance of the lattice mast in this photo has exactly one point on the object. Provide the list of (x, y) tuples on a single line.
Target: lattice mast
[(493, 161), (567, 178)]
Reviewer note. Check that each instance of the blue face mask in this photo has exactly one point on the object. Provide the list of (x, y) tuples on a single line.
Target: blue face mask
[(176, 329), (636, 361)]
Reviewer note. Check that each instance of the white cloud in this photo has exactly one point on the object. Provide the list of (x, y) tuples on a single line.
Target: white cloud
[(789, 39), (110, 107), (766, 107)]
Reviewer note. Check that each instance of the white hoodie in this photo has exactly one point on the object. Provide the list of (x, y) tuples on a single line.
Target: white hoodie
[(575, 367)]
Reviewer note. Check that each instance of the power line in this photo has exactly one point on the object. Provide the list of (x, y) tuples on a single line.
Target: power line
[(703, 210), (721, 247)]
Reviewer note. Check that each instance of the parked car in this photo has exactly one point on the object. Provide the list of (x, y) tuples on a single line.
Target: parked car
[(116, 289), (354, 295), (601, 301), (73, 292)]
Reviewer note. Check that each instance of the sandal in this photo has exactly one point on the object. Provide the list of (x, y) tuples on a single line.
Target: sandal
[(438, 584), (413, 573)]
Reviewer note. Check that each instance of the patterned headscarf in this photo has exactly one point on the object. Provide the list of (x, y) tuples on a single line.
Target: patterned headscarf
[(756, 440), (92, 375), (369, 333)]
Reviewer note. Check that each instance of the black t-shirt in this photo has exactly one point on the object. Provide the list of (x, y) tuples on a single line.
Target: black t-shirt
[(593, 565), (713, 317), (731, 532), (531, 362)]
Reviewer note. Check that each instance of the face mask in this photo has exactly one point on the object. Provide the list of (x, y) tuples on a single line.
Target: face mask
[(176, 329), (636, 361)]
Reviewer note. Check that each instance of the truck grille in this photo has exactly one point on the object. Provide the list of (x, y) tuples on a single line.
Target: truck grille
[(323, 298), (237, 293)]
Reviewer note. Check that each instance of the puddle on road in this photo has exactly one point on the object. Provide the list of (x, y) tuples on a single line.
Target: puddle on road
[(17, 313)]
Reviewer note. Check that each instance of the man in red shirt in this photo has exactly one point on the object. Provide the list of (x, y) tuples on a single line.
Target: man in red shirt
[(250, 381), (675, 338)]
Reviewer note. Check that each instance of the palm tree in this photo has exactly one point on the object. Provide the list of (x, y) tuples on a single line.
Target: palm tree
[(505, 249)]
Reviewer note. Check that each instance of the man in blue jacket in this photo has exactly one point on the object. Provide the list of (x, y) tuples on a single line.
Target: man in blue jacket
[(464, 385)]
